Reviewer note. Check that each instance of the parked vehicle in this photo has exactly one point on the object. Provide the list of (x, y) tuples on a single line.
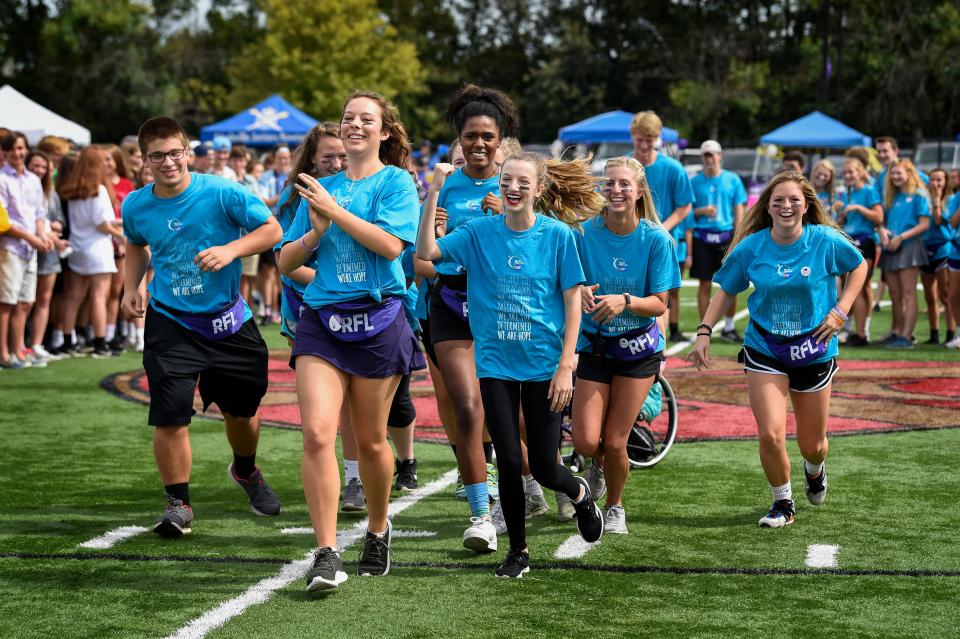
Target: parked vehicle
[(932, 155)]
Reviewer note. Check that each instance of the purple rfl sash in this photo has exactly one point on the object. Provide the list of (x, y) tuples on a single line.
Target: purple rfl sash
[(713, 238), (636, 344), (359, 321)]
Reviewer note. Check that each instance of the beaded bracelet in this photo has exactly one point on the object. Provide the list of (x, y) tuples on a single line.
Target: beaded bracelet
[(307, 248), (706, 326), (840, 313)]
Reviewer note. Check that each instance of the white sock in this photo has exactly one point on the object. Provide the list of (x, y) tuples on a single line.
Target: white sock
[(351, 470), (728, 324), (531, 486), (56, 339), (73, 335), (140, 332), (812, 469), (782, 492), (866, 327), (111, 332)]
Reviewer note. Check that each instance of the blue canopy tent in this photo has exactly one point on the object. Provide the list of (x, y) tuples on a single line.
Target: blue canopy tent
[(271, 122), (613, 126), (816, 130)]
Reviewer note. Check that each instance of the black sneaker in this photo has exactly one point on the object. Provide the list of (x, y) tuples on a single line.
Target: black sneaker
[(116, 346), (263, 501), (515, 566), (731, 336), (375, 557), (100, 349), (327, 572), (677, 336), (816, 487), (589, 517), (176, 519), (406, 472), (780, 515), (857, 341)]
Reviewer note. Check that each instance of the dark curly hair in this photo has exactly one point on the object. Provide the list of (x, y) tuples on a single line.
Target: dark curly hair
[(472, 101)]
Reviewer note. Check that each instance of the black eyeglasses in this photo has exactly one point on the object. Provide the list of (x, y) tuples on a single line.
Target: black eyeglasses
[(159, 156)]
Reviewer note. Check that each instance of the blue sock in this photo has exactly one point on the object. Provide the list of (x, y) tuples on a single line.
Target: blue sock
[(479, 499)]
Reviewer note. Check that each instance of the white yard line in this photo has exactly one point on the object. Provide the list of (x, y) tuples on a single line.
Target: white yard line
[(822, 556), (399, 534), (261, 591), (573, 548), (113, 537)]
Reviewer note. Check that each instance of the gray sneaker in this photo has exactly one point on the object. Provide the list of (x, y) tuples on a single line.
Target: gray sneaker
[(615, 520), (596, 481), (354, 501), (565, 509), (263, 501), (326, 572), (496, 518), (13, 364), (176, 519), (536, 505)]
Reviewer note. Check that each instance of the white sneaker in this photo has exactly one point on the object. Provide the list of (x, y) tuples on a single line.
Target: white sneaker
[(536, 505), (615, 520), (481, 536), (596, 481), (565, 509), (139, 346), (954, 343), (496, 516), (40, 351), (843, 336)]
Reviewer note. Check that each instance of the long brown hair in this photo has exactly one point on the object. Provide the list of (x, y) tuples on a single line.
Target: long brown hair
[(395, 149), (758, 219), (569, 194), (47, 180), (86, 176), (119, 159), (944, 194)]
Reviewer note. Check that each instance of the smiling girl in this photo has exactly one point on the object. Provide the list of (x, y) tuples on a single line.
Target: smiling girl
[(791, 250), (523, 285), (630, 262), (353, 342)]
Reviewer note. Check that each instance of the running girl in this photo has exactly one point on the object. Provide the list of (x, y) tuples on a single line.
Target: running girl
[(353, 342), (792, 251), (630, 263), (523, 284)]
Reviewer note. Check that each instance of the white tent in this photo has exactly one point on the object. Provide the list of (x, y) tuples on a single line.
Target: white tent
[(20, 113)]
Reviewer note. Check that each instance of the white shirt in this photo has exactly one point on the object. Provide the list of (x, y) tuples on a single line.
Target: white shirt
[(92, 249)]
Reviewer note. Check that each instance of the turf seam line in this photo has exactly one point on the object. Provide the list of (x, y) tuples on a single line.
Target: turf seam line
[(556, 565)]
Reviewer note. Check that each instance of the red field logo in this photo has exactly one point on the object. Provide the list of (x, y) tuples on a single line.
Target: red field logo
[(868, 396)]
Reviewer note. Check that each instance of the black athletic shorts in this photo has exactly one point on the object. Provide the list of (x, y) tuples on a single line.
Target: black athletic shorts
[(934, 267), (427, 342), (402, 412), (232, 372), (803, 379), (868, 249), (603, 371), (707, 258), (446, 325)]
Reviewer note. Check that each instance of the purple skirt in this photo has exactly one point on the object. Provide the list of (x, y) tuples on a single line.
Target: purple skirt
[(394, 351)]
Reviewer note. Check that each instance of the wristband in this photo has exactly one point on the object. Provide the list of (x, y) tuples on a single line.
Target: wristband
[(307, 248), (706, 326), (843, 316), (626, 298), (707, 335)]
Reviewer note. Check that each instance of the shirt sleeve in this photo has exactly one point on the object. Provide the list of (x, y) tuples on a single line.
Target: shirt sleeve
[(398, 209), (104, 207), (568, 260), (663, 271), (298, 227), (244, 208), (740, 191), (842, 256), (129, 223), (682, 190), (732, 276), (923, 206), (695, 199), (873, 197)]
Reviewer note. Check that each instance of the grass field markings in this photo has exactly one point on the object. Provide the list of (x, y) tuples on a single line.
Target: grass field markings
[(822, 555), (679, 346), (113, 537), (261, 591), (306, 530), (573, 547), (556, 565)]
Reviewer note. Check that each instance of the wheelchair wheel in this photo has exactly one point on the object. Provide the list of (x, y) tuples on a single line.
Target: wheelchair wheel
[(655, 430), (571, 458)]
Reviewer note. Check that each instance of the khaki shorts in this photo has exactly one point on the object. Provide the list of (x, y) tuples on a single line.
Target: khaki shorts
[(251, 265), (18, 278)]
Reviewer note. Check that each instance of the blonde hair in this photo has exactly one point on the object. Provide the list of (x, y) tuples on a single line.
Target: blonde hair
[(570, 194), (646, 123), (646, 210), (510, 146), (912, 185), (827, 165), (858, 166), (757, 218)]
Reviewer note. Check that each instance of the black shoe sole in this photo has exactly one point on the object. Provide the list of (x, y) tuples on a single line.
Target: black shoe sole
[(170, 530)]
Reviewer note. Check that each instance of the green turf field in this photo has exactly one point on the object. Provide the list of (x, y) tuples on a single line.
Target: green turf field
[(77, 463)]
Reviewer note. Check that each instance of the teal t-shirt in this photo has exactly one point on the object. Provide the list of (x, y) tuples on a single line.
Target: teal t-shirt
[(794, 284), (346, 270), (855, 224), (641, 264), (670, 188), (725, 192), (212, 211), (952, 205), (461, 196), (906, 211), (515, 285), (938, 237)]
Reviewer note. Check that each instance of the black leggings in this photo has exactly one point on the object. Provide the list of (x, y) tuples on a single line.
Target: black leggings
[(502, 400)]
